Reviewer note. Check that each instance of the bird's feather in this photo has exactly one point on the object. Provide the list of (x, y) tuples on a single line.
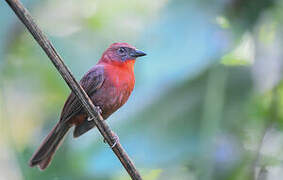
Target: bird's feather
[(90, 82)]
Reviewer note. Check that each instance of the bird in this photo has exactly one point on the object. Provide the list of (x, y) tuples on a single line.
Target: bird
[(109, 84)]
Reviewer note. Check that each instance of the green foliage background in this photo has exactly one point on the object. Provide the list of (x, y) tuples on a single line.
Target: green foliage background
[(208, 98)]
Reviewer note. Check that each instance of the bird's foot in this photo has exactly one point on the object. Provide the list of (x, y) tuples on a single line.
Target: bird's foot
[(90, 118), (116, 138), (99, 110)]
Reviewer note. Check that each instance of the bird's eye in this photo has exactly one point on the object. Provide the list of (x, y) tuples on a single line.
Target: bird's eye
[(121, 50)]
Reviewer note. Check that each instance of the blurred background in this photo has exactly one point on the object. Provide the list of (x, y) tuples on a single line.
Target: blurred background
[(208, 100)]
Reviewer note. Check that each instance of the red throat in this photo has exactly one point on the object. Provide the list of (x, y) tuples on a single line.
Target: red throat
[(127, 65)]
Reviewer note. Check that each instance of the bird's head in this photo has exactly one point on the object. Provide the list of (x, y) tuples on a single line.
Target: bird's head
[(121, 53)]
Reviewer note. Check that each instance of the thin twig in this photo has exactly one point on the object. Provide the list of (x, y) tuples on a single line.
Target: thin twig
[(102, 126)]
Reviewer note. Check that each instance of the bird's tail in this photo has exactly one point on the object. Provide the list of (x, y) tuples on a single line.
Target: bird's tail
[(43, 155)]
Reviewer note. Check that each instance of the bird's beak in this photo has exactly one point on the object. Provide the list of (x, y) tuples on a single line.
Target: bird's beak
[(137, 53)]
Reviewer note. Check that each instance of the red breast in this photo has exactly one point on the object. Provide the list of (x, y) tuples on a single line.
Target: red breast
[(117, 87)]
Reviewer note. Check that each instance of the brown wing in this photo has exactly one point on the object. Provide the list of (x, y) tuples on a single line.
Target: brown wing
[(90, 82)]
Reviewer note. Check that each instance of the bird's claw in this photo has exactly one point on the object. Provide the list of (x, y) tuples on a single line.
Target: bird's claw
[(90, 118), (99, 109), (116, 141), (116, 138)]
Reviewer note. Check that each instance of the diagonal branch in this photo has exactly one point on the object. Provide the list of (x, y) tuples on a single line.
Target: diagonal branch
[(102, 126)]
